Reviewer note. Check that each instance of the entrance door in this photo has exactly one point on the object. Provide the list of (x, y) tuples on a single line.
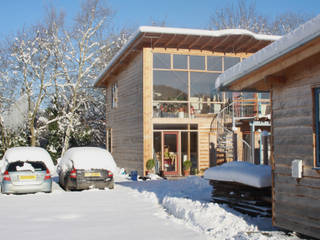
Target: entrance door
[(170, 160)]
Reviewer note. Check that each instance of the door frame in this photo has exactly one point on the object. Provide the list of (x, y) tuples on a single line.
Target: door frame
[(177, 162)]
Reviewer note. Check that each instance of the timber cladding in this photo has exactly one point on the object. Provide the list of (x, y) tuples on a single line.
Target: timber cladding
[(126, 121), (296, 202)]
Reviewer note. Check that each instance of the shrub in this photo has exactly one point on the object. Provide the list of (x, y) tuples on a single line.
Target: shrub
[(187, 165), (150, 164)]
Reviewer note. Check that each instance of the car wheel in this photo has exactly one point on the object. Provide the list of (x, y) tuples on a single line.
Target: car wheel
[(65, 184), (111, 185), (66, 187)]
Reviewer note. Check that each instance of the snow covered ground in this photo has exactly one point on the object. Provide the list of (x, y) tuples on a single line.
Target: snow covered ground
[(159, 209)]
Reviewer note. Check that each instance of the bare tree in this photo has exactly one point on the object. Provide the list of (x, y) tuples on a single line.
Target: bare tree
[(287, 22), (27, 51), (240, 16), (244, 15), (81, 56), (55, 67)]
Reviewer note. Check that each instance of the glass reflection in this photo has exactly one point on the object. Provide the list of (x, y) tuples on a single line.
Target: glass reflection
[(169, 85)]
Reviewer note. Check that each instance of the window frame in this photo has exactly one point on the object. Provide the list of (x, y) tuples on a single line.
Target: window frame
[(114, 95), (109, 140)]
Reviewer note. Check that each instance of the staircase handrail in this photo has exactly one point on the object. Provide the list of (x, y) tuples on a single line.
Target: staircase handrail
[(217, 115)]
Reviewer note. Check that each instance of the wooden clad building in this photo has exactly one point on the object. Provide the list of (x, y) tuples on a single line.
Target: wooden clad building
[(161, 95), (290, 70)]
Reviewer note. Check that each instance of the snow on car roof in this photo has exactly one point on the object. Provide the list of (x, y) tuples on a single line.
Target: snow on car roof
[(87, 158), (241, 172), (31, 154)]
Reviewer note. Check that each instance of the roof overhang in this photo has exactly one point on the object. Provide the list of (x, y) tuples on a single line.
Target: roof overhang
[(257, 72), (229, 40)]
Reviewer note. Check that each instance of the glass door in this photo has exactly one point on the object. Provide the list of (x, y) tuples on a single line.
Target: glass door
[(170, 153)]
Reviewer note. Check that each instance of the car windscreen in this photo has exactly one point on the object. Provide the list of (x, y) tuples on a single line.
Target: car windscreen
[(16, 166)]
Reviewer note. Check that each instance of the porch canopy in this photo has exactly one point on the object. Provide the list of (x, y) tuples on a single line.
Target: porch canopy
[(269, 65), (229, 40)]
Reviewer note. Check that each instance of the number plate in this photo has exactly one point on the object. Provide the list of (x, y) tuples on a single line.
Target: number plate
[(92, 174), (29, 177)]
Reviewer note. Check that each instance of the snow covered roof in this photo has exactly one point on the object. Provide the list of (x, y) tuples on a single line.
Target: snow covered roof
[(229, 40), (287, 44), (242, 172), (31, 154), (87, 158)]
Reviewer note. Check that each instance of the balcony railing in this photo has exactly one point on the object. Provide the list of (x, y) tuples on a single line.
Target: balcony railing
[(239, 109), (185, 110), (251, 108)]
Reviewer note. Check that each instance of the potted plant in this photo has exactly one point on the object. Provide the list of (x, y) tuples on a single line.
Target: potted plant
[(150, 165), (186, 167)]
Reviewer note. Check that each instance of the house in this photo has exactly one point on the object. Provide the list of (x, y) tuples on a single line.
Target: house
[(161, 97), (290, 69)]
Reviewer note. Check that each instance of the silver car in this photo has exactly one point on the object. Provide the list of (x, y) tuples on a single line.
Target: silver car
[(26, 177), (26, 170)]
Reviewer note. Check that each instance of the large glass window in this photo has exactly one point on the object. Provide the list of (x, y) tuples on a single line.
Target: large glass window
[(202, 86), (184, 85), (170, 85)]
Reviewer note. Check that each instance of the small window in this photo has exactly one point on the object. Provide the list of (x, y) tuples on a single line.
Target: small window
[(109, 140), (230, 61), (317, 119), (197, 62), (161, 60), (114, 95), (180, 61), (214, 63)]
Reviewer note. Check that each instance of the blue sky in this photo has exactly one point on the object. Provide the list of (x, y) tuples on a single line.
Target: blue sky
[(15, 14)]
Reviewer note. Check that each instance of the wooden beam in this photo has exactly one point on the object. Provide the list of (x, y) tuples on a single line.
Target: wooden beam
[(245, 43), (147, 106), (220, 43), (183, 41), (253, 46), (237, 41), (170, 41), (207, 43), (195, 42), (154, 43)]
